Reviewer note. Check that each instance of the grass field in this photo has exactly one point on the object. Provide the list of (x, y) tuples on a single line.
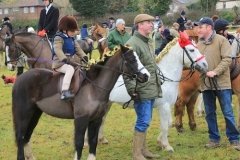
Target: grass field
[(53, 138)]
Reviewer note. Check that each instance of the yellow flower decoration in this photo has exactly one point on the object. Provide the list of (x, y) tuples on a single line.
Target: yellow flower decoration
[(166, 49)]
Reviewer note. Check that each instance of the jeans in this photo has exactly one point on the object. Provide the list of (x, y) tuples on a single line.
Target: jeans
[(225, 100), (143, 110)]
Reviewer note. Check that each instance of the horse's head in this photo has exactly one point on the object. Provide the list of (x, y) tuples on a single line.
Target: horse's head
[(193, 59), (14, 52), (132, 65)]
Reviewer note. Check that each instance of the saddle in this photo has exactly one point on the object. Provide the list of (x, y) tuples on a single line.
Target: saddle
[(76, 82), (234, 68)]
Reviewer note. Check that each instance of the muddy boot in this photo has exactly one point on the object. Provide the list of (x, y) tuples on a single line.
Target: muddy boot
[(147, 153), (138, 140), (67, 95)]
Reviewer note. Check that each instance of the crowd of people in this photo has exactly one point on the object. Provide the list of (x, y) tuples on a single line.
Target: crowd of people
[(210, 35)]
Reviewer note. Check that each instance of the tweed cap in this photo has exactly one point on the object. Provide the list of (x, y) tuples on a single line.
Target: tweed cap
[(143, 17), (175, 24)]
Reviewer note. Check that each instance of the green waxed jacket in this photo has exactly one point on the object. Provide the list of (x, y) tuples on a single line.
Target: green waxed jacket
[(143, 47), (115, 38)]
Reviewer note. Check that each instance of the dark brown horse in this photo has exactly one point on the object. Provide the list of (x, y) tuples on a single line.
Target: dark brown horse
[(37, 49), (40, 88)]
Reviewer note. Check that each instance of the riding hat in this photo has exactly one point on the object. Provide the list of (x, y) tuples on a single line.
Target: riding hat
[(166, 32), (68, 23), (221, 24), (183, 12), (143, 17), (6, 19), (105, 23)]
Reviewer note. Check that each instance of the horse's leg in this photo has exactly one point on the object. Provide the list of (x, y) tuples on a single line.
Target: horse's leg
[(34, 121), (93, 129), (101, 138), (166, 123), (200, 109), (24, 123), (80, 124), (179, 112), (190, 110), (2, 59)]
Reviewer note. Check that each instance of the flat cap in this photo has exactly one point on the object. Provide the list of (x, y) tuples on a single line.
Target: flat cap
[(143, 17)]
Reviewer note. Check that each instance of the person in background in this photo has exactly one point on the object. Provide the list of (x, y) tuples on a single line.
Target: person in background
[(64, 49), (167, 37), (48, 21), (157, 22), (7, 22), (174, 30), (182, 20), (106, 29), (217, 51), (158, 38), (146, 92), (118, 35), (133, 29), (214, 18), (190, 30), (85, 36), (112, 24)]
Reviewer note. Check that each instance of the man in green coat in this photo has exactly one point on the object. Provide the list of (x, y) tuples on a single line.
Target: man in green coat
[(118, 35), (146, 92)]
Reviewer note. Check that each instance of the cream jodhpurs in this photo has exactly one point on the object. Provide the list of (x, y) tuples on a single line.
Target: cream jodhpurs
[(69, 71)]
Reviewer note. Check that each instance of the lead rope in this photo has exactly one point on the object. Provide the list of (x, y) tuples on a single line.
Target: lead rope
[(125, 105)]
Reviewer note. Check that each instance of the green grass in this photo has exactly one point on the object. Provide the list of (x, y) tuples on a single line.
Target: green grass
[(53, 138)]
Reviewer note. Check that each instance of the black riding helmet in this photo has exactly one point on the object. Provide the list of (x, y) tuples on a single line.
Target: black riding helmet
[(221, 24)]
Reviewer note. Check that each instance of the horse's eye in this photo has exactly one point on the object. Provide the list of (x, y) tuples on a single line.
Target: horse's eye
[(191, 50)]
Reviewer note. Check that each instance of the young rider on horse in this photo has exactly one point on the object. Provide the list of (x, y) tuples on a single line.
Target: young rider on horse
[(221, 26), (85, 36), (64, 48)]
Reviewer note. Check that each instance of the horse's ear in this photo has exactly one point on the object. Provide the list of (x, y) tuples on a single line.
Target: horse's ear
[(123, 48)]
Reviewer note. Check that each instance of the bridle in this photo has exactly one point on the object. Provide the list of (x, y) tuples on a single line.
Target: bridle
[(193, 66), (19, 53), (133, 75)]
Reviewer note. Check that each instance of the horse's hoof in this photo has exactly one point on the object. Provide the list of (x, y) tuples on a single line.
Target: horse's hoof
[(180, 130), (103, 140), (85, 145), (193, 126)]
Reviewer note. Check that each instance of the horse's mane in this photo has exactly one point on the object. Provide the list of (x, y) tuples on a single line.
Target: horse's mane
[(166, 49), (96, 68), (26, 34)]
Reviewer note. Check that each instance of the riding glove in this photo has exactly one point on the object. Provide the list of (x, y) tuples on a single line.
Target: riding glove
[(42, 33), (66, 60), (85, 59)]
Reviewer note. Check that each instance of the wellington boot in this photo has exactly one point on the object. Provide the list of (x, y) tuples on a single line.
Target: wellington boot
[(138, 140), (147, 153)]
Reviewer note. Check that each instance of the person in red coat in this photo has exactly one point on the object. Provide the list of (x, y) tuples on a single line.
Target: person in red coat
[(48, 22)]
